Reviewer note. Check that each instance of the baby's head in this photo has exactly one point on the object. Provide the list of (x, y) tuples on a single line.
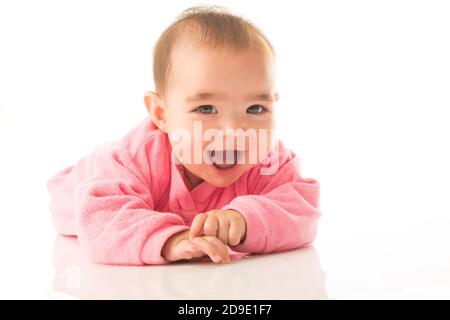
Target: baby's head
[(214, 76)]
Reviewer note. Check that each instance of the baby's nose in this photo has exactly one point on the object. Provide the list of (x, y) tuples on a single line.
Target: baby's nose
[(233, 124)]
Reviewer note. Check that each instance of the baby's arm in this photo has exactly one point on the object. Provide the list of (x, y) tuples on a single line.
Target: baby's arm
[(281, 212), (114, 212)]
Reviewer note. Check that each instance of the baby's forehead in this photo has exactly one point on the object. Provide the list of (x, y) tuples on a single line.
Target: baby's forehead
[(192, 60), (195, 65), (190, 41)]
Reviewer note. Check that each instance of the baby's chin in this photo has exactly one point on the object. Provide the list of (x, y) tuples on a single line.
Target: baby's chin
[(221, 182)]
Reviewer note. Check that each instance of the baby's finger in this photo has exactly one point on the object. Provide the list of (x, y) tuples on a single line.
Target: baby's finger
[(186, 250), (197, 225), (221, 247), (224, 226), (235, 232), (194, 250), (211, 226), (208, 248)]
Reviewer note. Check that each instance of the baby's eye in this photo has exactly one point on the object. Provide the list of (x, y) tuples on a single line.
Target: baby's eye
[(206, 109), (255, 109)]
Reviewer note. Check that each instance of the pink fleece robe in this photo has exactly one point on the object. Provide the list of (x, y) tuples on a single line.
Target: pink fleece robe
[(125, 199)]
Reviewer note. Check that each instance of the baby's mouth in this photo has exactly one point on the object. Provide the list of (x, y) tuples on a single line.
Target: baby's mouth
[(225, 159)]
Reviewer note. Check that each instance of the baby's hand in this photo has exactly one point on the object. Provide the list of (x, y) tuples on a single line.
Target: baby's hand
[(227, 225), (179, 247)]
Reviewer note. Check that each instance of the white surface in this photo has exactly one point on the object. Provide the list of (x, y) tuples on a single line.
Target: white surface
[(292, 275), (364, 101)]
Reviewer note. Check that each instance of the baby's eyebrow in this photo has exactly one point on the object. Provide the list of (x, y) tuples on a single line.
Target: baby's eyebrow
[(261, 96), (204, 96), (209, 96)]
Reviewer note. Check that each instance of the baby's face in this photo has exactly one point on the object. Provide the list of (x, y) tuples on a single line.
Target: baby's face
[(217, 103)]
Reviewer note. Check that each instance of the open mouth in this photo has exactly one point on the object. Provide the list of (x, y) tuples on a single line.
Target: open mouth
[(225, 159)]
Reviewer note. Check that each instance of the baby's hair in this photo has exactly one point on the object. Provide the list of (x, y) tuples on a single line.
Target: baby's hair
[(210, 26)]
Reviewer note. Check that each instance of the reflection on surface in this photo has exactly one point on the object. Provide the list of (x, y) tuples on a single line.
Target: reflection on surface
[(294, 274)]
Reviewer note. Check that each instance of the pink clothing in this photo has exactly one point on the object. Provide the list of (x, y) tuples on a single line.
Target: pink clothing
[(128, 197)]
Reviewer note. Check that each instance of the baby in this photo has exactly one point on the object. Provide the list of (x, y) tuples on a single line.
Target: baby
[(203, 175)]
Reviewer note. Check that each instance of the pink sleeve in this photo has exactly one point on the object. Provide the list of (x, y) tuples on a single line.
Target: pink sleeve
[(281, 211), (114, 217)]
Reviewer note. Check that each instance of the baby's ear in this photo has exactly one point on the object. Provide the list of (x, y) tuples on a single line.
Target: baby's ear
[(150, 98), (154, 106)]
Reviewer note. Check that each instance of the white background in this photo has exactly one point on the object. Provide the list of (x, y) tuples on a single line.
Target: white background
[(365, 98)]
